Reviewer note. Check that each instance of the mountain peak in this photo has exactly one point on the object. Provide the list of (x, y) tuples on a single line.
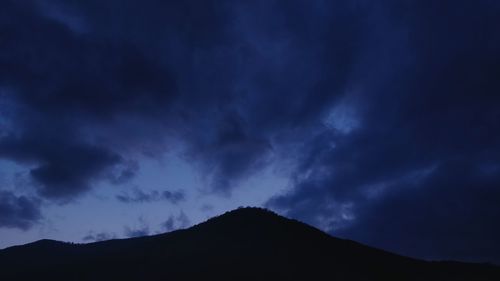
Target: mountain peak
[(243, 244), (250, 211), (244, 218)]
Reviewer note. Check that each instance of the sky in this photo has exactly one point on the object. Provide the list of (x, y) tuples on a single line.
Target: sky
[(377, 121)]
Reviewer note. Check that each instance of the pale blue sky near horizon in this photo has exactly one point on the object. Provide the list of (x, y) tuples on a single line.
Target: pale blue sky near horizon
[(99, 211)]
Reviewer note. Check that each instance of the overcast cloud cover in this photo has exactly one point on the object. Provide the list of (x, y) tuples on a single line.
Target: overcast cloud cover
[(383, 115)]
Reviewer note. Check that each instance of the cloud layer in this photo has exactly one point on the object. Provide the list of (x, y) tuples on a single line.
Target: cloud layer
[(140, 196), (18, 211)]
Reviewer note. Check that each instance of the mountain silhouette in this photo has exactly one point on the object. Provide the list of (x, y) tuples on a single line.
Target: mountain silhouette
[(243, 244)]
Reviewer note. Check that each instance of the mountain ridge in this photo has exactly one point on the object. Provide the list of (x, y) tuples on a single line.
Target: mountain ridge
[(243, 244)]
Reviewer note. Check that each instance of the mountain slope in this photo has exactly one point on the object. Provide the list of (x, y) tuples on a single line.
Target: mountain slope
[(244, 244)]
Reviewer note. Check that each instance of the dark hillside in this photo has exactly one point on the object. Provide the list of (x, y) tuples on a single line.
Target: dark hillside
[(244, 244)]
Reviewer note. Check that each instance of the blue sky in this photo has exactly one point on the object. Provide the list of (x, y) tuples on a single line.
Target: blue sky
[(101, 212)]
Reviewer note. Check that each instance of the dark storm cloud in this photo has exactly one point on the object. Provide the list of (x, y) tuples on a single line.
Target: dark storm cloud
[(55, 84), (64, 169), (229, 79), (457, 202), (418, 174), (139, 196), (18, 211), (286, 70), (50, 69)]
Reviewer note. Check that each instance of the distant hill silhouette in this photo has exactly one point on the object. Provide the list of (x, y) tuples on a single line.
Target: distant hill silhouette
[(244, 244)]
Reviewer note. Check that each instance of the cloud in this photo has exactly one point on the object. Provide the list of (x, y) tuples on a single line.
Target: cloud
[(141, 230), (136, 232), (412, 170), (54, 101), (100, 236), (205, 78), (176, 222), (62, 169), (457, 202), (140, 196), (18, 211)]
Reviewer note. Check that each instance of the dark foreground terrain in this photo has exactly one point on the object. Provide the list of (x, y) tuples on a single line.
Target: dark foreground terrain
[(245, 244)]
